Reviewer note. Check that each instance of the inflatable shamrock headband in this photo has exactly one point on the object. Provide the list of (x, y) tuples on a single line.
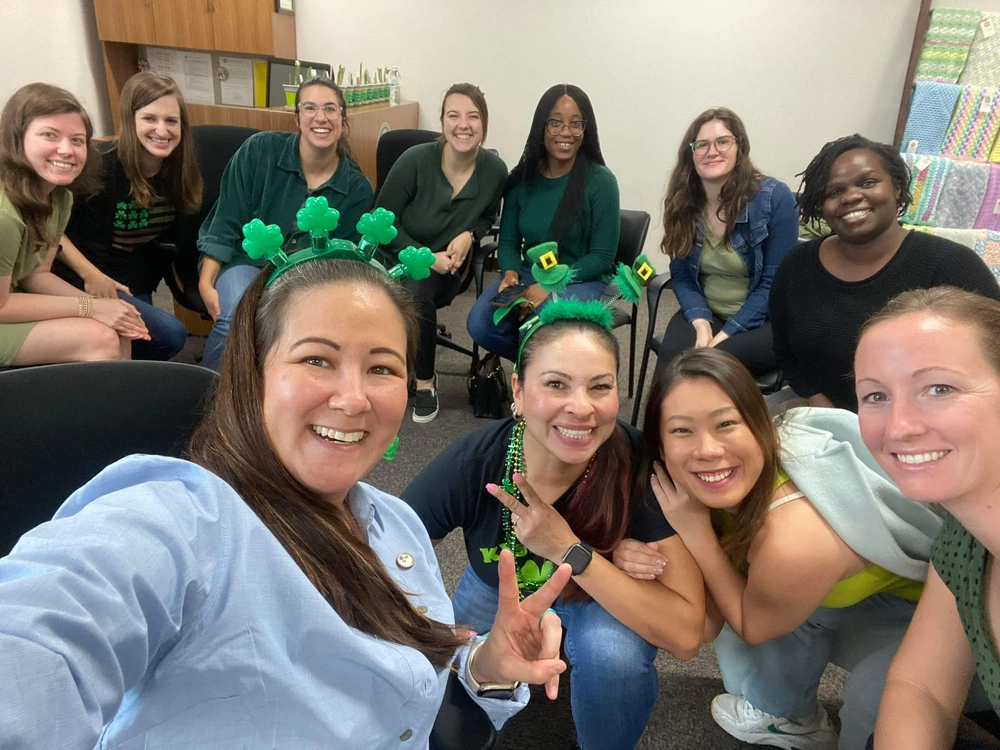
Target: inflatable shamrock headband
[(554, 277), (317, 218)]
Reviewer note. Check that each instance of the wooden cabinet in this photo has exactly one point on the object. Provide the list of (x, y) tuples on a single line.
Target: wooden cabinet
[(235, 26), (125, 21), (184, 23)]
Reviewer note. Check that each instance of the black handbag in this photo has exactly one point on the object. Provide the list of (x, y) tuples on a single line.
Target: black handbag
[(489, 394)]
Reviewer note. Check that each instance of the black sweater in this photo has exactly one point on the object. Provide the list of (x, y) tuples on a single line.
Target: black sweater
[(816, 316)]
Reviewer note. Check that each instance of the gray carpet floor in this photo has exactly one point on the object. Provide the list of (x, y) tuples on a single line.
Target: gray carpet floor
[(681, 718)]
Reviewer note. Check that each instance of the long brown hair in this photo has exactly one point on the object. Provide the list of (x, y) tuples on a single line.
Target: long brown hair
[(21, 183), (343, 146), (686, 199), (233, 444), (737, 383), (179, 174), (599, 511), (476, 96), (981, 313)]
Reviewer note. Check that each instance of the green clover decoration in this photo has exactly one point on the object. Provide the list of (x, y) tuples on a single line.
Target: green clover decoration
[(317, 218), (413, 262), (376, 229), (531, 577), (264, 241)]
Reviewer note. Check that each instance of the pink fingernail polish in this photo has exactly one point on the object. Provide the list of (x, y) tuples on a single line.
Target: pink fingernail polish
[(518, 477), (490, 487)]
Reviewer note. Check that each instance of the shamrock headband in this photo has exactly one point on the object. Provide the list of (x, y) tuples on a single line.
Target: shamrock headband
[(628, 282), (319, 219)]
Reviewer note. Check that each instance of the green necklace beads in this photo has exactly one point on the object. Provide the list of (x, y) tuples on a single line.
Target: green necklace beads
[(530, 577)]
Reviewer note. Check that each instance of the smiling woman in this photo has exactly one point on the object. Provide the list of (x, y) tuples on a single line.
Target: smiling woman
[(577, 471), (46, 156), (809, 554), (149, 175), (827, 288), (928, 384), (260, 595), (270, 178)]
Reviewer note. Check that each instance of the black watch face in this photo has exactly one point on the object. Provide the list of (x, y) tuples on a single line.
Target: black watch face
[(578, 559)]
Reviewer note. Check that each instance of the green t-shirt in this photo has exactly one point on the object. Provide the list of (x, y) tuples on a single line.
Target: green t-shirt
[(589, 246), (723, 276), (960, 559), (427, 215), (18, 258)]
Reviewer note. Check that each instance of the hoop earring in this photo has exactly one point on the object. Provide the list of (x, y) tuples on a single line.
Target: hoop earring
[(513, 411)]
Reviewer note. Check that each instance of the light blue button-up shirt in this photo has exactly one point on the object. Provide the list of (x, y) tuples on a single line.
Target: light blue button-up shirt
[(156, 611)]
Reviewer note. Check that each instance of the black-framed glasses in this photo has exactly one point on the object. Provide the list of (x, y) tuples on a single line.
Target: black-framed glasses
[(722, 145), (555, 127), (332, 111)]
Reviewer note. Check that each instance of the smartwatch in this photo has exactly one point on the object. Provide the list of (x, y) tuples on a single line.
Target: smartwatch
[(578, 556), (497, 690)]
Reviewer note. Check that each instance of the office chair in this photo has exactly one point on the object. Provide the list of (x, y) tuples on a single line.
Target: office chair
[(65, 423)]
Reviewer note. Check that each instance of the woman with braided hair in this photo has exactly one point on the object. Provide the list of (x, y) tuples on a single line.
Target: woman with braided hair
[(558, 482), (827, 288)]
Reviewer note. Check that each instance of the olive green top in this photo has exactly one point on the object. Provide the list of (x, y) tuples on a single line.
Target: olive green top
[(18, 257), (723, 276)]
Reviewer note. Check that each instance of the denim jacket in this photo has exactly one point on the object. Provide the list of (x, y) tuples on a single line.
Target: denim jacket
[(766, 229)]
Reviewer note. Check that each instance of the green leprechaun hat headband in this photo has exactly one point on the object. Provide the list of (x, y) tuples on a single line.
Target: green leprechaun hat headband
[(319, 219), (554, 277)]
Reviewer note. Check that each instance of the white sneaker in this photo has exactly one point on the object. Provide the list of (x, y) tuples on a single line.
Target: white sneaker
[(744, 722)]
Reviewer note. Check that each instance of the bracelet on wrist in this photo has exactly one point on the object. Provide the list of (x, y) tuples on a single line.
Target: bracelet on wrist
[(85, 307)]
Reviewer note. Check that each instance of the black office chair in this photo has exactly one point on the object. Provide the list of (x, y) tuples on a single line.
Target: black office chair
[(64, 423), (390, 147), (770, 382), (215, 146), (635, 226)]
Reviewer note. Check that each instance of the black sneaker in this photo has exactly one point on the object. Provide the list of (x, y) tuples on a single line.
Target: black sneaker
[(425, 404)]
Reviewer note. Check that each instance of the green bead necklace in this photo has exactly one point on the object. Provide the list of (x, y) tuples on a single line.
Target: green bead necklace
[(530, 577)]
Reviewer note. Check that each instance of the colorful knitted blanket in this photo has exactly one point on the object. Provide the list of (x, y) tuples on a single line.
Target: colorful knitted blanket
[(946, 46), (962, 194), (989, 212), (975, 124), (989, 251), (983, 66), (927, 175), (966, 237), (930, 113)]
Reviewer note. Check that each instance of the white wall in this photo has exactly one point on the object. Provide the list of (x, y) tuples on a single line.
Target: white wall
[(799, 72), (54, 41)]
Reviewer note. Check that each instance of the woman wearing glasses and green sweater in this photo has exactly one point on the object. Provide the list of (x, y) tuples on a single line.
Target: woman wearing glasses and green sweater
[(559, 191), (726, 228)]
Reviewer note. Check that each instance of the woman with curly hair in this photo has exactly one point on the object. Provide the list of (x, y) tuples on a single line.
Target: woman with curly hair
[(827, 288)]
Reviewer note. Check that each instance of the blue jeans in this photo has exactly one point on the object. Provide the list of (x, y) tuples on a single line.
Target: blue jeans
[(230, 285), (781, 676), (502, 339), (167, 334), (613, 685)]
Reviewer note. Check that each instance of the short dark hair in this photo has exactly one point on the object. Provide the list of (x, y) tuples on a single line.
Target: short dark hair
[(813, 187)]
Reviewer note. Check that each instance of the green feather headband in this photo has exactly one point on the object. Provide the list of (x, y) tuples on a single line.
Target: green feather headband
[(319, 219), (627, 282)]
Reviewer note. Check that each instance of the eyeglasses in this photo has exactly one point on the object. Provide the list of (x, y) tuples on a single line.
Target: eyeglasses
[(555, 127), (332, 111), (722, 145)]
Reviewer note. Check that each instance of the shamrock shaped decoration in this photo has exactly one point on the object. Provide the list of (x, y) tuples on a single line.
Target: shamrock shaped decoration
[(262, 241), (318, 218), (376, 229), (413, 262), (531, 577), (551, 275), (631, 279)]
